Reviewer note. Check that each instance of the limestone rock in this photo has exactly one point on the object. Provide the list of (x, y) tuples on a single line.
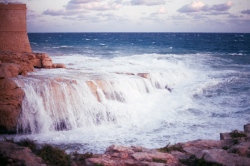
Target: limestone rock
[(222, 157), (21, 59), (58, 65), (144, 75), (47, 62), (120, 155), (12, 154), (8, 70), (93, 89), (11, 97)]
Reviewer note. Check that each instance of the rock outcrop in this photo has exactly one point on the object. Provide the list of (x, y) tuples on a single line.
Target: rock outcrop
[(137, 156), (235, 150), (11, 96)]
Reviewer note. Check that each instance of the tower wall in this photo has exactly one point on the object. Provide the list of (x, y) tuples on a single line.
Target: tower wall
[(13, 30)]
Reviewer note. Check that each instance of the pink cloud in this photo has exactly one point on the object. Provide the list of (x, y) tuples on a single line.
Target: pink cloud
[(195, 6)]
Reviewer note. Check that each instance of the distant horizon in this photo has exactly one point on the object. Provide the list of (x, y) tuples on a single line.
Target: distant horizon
[(147, 32)]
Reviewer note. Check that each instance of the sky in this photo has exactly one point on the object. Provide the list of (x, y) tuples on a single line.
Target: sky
[(137, 15)]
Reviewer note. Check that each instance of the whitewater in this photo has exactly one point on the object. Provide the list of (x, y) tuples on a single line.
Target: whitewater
[(134, 89)]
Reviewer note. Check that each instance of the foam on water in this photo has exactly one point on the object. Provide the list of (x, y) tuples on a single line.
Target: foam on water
[(169, 106)]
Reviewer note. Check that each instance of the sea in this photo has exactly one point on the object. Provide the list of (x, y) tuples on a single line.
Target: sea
[(150, 89)]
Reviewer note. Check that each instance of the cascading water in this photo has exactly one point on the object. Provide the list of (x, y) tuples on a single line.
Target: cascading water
[(62, 103), (135, 89)]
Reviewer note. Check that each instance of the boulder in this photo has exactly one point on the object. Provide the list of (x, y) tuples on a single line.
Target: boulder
[(47, 62)]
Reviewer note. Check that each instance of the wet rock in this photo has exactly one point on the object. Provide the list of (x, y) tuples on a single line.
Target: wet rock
[(47, 62), (58, 65), (13, 64), (93, 88), (11, 97), (144, 75)]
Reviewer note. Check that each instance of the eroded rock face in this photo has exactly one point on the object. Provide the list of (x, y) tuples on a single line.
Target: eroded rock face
[(8, 70), (11, 97), (29, 61)]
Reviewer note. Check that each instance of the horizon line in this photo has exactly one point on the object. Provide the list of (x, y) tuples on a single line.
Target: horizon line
[(144, 32)]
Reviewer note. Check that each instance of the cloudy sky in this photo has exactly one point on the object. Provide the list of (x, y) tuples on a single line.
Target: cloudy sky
[(137, 15)]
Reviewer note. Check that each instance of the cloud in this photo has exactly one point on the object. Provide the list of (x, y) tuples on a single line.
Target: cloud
[(199, 6), (162, 10), (61, 12), (222, 7), (52, 12), (82, 1), (199, 17), (92, 5), (195, 6), (178, 17), (233, 16), (246, 11), (147, 2), (216, 13), (10, 1), (31, 15)]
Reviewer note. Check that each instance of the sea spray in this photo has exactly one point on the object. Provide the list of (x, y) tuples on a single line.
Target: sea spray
[(63, 103), (95, 103)]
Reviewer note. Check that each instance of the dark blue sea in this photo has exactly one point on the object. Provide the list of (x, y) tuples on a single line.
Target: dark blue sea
[(196, 86)]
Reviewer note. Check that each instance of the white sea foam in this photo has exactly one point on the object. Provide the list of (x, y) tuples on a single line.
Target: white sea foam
[(132, 110)]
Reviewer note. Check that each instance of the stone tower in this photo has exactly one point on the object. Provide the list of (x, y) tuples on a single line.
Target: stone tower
[(13, 30)]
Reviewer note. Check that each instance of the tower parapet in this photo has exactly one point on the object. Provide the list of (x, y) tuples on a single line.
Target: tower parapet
[(13, 29)]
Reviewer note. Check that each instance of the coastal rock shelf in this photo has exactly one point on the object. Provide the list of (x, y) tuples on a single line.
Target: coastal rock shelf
[(11, 95), (231, 150)]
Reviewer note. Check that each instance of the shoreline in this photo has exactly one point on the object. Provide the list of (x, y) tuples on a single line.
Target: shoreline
[(232, 149)]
